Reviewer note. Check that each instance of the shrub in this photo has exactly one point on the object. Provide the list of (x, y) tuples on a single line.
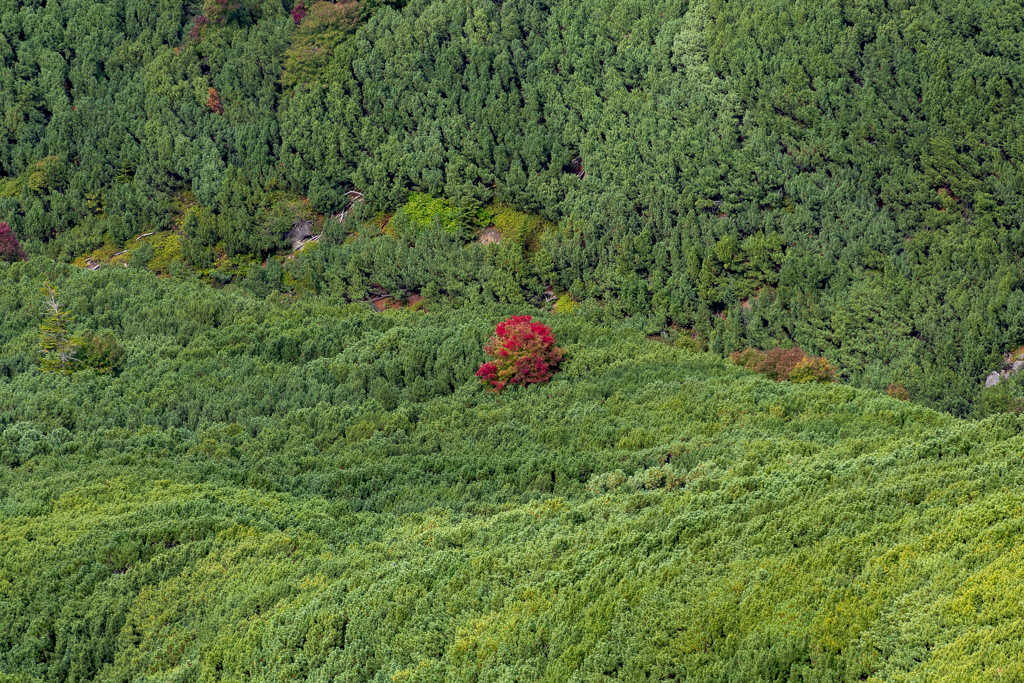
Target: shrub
[(779, 362), (565, 305), (298, 12), (812, 369), (660, 477), (898, 392), (748, 358), (141, 256), (214, 103), (424, 211), (196, 32), (999, 399), (10, 247), (524, 352), (785, 365), (101, 352), (608, 481)]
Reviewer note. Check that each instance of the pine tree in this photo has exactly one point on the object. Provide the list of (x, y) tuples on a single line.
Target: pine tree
[(55, 338)]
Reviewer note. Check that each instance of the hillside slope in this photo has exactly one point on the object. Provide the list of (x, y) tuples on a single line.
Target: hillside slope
[(846, 176), (275, 490)]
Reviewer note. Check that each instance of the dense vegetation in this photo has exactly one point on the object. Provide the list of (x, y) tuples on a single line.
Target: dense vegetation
[(841, 176), (240, 469), (269, 489)]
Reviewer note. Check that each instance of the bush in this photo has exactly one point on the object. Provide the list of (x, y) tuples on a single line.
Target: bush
[(10, 247), (608, 481), (423, 211), (524, 352), (101, 352), (778, 363), (748, 358), (786, 365), (898, 392), (141, 257), (812, 369)]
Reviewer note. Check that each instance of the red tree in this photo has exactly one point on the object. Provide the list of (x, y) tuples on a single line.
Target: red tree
[(298, 12), (196, 32), (524, 352), (779, 362), (10, 247)]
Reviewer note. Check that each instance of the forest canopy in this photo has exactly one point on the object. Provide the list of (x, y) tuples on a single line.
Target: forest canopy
[(252, 253), (845, 177)]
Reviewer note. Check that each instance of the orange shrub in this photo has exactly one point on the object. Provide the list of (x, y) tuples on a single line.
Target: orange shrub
[(779, 362), (785, 364)]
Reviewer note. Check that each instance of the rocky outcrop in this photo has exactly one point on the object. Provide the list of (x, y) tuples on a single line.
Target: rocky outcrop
[(1013, 362), (300, 233)]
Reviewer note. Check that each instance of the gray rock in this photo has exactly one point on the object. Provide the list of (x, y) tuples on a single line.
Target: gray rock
[(992, 379), (1017, 365), (300, 233)]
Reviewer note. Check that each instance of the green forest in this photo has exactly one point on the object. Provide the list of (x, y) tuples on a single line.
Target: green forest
[(841, 176), (499, 341), (303, 489)]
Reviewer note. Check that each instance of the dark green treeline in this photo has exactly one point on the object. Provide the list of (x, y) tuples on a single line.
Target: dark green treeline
[(845, 176)]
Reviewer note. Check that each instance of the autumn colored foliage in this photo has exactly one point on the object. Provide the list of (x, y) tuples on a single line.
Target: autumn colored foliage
[(783, 365), (10, 247), (898, 392), (524, 352), (298, 12), (196, 32), (213, 102)]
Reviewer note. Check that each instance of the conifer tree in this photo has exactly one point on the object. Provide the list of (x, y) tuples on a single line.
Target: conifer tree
[(55, 339)]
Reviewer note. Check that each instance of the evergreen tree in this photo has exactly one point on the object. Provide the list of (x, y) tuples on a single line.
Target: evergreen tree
[(56, 342)]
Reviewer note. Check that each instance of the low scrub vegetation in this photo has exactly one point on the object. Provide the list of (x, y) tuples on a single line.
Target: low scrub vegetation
[(270, 488)]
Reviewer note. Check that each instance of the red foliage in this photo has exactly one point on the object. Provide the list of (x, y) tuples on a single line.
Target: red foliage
[(524, 352), (10, 247), (198, 23), (298, 12), (213, 102), (779, 362)]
